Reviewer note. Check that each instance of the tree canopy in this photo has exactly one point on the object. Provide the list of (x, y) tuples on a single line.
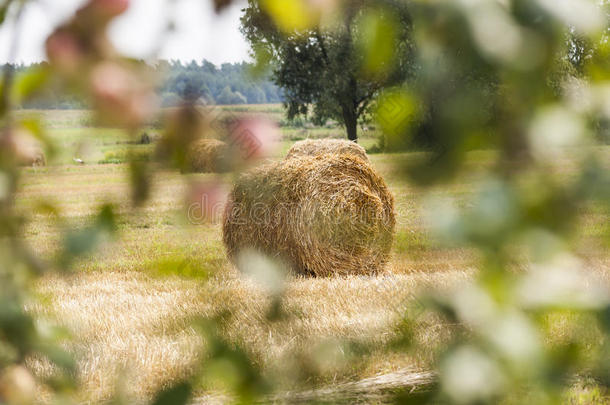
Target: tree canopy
[(335, 73)]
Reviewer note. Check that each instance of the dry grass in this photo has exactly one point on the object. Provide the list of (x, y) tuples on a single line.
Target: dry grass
[(323, 215), (311, 147), (129, 305), (207, 156), (133, 327), (125, 323)]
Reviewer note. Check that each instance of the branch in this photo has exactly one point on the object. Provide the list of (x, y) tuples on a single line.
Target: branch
[(363, 106), (364, 101), (322, 46)]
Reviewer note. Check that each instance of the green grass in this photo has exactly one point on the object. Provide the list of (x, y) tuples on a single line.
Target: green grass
[(76, 135), (139, 153)]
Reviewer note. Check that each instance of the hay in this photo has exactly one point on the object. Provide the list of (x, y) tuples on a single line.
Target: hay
[(318, 147), (28, 150), (321, 215), (207, 156), (145, 139), (34, 158)]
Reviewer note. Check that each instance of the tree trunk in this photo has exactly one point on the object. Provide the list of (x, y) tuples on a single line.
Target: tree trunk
[(350, 119)]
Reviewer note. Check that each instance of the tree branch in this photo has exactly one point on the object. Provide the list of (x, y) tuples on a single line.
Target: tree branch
[(322, 47)]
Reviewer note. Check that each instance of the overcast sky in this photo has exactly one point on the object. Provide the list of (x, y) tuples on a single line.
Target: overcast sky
[(200, 33)]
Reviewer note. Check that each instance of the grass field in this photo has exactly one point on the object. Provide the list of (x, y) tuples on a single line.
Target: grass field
[(78, 136), (129, 305)]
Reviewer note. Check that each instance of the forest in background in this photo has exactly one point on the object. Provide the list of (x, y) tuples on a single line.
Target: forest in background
[(230, 83)]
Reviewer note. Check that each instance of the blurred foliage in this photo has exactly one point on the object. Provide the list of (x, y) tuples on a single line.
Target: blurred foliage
[(528, 78)]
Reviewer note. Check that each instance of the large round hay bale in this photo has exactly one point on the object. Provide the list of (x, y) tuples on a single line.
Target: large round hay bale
[(207, 156), (320, 215), (316, 147)]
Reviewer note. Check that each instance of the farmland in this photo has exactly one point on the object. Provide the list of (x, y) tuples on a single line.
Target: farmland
[(129, 306)]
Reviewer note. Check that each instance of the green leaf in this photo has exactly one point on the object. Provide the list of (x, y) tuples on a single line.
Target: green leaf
[(34, 126), (140, 181), (106, 219), (4, 10), (604, 316), (27, 84), (378, 41), (177, 395), (82, 241), (290, 15), (395, 113)]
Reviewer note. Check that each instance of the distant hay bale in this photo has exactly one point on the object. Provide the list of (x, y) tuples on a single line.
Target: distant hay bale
[(35, 158), (207, 156), (28, 150), (311, 147), (39, 158), (321, 215), (145, 139)]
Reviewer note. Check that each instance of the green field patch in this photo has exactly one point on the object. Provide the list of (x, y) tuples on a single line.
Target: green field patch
[(198, 266), (124, 155)]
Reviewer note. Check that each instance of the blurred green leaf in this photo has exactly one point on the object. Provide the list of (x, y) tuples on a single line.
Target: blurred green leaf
[(290, 15), (178, 394), (378, 41), (605, 319), (36, 128), (78, 242), (29, 83), (396, 111), (230, 367), (140, 181), (4, 10)]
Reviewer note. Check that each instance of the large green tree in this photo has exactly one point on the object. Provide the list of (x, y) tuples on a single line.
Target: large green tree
[(335, 72)]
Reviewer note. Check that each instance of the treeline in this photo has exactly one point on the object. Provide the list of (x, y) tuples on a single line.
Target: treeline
[(230, 83)]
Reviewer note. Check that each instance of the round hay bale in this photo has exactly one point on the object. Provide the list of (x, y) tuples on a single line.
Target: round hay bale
[(39, 158), (34, 157), (321, 215), (207, 156), (311, 147), (145, 139), (28, 150)]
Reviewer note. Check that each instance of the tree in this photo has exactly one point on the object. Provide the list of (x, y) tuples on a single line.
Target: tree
[(228, 96), (327, 69), (255, 95)]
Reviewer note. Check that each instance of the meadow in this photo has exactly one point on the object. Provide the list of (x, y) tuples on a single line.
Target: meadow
[(129, 306)]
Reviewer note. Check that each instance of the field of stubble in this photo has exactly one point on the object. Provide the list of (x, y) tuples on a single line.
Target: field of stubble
[(129, 307)]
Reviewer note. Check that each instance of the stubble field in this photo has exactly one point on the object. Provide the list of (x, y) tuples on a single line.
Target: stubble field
[(130, 306)]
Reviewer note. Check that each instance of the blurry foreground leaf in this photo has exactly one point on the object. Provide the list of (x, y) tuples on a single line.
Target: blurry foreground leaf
[(378, 41), (178, 394), (28, 84), (396, 110), (291, 15), (81, 242)]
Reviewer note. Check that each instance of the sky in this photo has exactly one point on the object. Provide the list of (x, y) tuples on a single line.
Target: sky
[(199, 34)]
